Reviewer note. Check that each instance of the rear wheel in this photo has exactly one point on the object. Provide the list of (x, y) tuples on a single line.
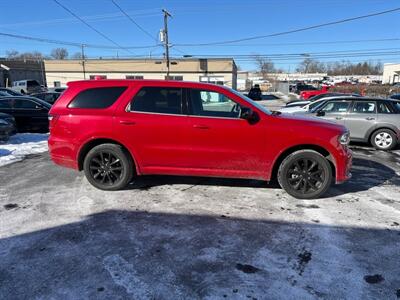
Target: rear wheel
[(108, 167), (305, 174), (384, 139)]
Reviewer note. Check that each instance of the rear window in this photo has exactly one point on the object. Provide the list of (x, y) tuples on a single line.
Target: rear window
[(32, 83), (97, 97)]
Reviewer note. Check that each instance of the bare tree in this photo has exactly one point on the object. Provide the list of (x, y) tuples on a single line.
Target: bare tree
[(59, 53), (77, 55), (309, 65), (264, 65)]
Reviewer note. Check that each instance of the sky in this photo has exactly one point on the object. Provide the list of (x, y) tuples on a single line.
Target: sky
[(197, 22)]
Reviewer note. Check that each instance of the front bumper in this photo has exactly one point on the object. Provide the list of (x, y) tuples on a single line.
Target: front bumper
[(343, 166)]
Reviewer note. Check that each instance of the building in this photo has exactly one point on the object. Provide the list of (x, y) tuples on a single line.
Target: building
[(219, 70), (13, 70), (391, 73)]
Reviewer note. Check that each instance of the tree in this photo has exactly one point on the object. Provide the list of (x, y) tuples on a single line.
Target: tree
[(309, 65), (77, 55), (59, 53), (264, 65), (12, 54)]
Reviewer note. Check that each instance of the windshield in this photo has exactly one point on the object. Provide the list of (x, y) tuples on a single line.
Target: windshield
[(247, 99), (32, 83)]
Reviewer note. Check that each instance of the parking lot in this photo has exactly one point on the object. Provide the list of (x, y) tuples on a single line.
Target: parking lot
[(188, 238)]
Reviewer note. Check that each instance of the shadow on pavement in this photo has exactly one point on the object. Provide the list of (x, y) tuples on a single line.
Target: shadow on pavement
[(120, 254)]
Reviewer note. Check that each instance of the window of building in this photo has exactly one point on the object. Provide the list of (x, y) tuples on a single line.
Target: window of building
[(180, 78), (97, 77), (364, 107), (158, 100), (97, 97), (213, 104), (134, 77)]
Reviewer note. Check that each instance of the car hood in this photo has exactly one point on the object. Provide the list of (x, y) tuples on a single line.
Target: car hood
[(311, 120)]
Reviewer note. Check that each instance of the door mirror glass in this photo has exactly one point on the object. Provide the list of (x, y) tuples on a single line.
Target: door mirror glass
[(320, 113), (249, 115)]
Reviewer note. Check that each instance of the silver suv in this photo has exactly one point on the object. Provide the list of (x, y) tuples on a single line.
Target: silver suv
[(373, 120)]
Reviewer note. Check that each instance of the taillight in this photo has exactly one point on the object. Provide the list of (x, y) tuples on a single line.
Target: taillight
[(53, 119)]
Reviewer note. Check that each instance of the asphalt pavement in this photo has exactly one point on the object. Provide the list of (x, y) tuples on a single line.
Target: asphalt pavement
[(171, 237)]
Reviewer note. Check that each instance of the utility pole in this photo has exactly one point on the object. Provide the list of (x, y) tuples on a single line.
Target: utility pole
[(166, 15), (83, 60)]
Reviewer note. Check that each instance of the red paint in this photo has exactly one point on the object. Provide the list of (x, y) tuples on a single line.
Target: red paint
[(189, 145), (308, 94)]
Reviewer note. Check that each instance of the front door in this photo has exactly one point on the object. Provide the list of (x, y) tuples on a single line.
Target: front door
[(30, 116), (221, 142), (335, 110)]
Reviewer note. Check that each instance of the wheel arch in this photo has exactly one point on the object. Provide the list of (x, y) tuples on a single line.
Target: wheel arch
[(83, 151), (321, 150), (390, 127)]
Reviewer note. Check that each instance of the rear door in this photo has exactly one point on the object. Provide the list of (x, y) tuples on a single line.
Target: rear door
[(154, 126), (361, 117)]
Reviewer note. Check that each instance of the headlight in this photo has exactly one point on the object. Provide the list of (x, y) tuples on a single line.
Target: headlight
[(3, 122), (344, 139)]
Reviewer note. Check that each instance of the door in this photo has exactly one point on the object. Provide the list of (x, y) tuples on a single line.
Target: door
[(221, 142), (361, 118), (30, 116), (155, 129), (335, 110)]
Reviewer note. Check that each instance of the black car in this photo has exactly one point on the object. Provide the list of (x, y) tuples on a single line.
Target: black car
[(8, 92), (7, 126), (31, 114), (255, 93), (49, 97), (395, 96)]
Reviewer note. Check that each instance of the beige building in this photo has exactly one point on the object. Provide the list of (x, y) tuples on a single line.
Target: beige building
[(391, 73), (219, 70)]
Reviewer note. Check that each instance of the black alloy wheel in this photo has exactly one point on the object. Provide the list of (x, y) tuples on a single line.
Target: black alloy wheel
[(305, 174), (108, 167)]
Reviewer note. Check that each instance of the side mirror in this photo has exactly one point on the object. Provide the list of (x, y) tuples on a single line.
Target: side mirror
[(320, 113), (248, 114)]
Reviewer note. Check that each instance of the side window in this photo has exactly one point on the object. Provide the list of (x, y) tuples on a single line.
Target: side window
[(213, 104), (384, 108), (5, 104), (364, 107), (162, 100), (25, 104), (336, 107), (97, 97)]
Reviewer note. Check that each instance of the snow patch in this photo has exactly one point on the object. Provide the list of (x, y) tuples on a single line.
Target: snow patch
[(21, 145)]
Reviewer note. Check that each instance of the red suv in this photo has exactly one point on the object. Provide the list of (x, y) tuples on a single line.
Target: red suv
[(117, 129)]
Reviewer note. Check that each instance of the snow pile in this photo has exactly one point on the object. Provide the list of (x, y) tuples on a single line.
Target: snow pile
[(21, 145)]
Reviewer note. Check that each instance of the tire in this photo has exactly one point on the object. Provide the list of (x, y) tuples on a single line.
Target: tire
[(305, 174), (383, 139), (108, 167)]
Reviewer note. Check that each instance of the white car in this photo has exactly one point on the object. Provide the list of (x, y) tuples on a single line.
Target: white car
[(304, 108)]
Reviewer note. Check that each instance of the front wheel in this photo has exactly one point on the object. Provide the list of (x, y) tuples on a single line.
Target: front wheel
[(305, 174), (384, 139), (108, 167)]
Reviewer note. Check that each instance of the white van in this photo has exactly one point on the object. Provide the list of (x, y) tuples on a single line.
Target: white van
[(28, 86)]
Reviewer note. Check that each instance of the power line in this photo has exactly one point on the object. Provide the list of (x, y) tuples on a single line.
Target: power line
[(90, 26), (134, 22), (295, 30), (67, 43)]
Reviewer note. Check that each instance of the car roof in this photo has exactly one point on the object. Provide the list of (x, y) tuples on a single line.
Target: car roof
[(25, 98)]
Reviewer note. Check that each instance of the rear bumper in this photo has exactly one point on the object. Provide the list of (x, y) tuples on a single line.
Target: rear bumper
[(62, 153)]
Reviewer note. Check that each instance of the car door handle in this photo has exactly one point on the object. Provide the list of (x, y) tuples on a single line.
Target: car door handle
[(339, 118), (370, 118), (200, 126), (123, 122)]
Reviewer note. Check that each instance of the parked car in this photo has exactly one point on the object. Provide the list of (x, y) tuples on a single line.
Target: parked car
[(372, 120), (31, 114), (9, 92), (315, 98), (29, 86), (56, 89), (7, 126), (306, 106), (49, 97), (115, 129), (311, 93), (299, 87), (395, 96), (255, 93)]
